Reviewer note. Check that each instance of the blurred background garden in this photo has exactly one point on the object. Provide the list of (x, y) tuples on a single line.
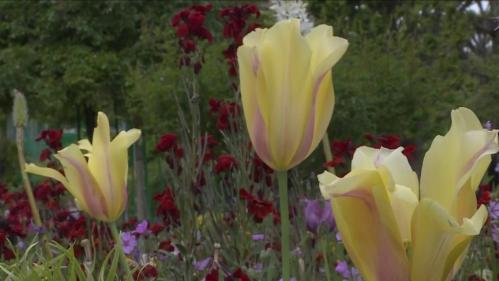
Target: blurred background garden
[(169, 68)]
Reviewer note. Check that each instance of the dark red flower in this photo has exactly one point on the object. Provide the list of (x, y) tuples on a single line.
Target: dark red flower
[(166, 245), (225, 163), (342, 148), (167, 207), (167, 142), (156, 228), (52, 138), (212, 275), (214, 105), (409, 150), (45, 154), (238, 274), (146, 272), (258, 208)]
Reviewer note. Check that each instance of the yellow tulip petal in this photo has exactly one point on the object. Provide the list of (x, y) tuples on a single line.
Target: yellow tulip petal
[(119, 167), (368, 227), (393, 160), (457, 160), (100, 164), (439, 241), (328, 49), (46, 172), (287, 101), (404, 201), (85, 144), (251, 82), (82, 183)]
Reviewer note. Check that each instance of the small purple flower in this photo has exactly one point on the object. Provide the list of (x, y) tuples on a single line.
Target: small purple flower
[(21, 245), (494, 209), (141, 228), (343, 269), (488, 125), (495, 233), (202, 264), (258, 267), (37, 229), (129, 242), (338, 236), (258, 237), (292, 279), (355, 274), (318, 213)]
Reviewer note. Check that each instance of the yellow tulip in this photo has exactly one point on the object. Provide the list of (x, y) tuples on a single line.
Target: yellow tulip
[(287, 89), (447, 218), (378, 214), (99, 185)]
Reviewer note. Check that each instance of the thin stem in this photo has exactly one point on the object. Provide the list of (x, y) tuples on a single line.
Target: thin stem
[(326, 262), (119, 248), (282, 179), (327, 151), (27, 186)]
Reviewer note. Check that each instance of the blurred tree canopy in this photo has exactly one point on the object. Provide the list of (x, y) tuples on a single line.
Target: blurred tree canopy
[(408, 64)]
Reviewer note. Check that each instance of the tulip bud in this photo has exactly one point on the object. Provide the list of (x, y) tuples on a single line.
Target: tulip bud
[(20, 110)]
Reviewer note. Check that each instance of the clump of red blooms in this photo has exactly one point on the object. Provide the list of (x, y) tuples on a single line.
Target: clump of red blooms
[(189, 27), (236, 26), (343, 150), (53, 140), (483, 194), (225, 163), (148, 271), (226, 114), (258, 207), (16, 222), (237, 275), (167, 208)]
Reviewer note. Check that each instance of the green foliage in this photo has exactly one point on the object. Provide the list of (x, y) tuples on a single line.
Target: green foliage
[(406, 66)]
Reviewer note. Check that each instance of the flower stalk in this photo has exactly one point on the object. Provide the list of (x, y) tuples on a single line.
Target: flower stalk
[(20, 117), (119, 248), (327, 151), (282, 178)]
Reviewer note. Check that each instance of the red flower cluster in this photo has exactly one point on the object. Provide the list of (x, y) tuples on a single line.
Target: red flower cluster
[(212, 275), (15, 221), (238, 274), (225, 163), (53, 139), (70, 225), (257, 207), (167, 207), (483, 194), (226, 113), (189, 26), (174, 152), (261, 171), (49, 193), (5, 251), (146, 272), (235, 28), (340, 150)]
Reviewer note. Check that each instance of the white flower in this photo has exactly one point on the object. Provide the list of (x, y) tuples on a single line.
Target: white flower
[(293, 9)]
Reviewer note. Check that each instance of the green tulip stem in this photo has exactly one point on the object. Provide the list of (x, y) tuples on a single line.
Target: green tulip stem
[(27, 187), (119, 248), (327, 151), (282, 179)]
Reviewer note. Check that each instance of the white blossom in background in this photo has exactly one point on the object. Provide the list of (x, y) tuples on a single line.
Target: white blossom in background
[(293, 9)]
